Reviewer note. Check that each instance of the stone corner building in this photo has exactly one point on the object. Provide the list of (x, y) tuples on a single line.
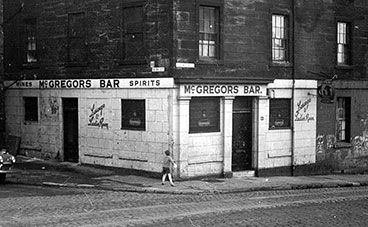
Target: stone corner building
[(229, 86)]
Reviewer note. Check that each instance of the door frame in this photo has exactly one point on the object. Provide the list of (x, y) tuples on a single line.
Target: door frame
[(252, 124), (76, 135)]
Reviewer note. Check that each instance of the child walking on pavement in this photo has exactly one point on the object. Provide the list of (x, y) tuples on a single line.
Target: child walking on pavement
[(166, 168)]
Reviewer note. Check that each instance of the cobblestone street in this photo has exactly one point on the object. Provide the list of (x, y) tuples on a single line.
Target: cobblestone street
[(87, 207)]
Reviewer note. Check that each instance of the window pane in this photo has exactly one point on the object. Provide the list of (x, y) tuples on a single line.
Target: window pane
[(343, 110), (280, 113), (279, 38), (133, 20), (30, 108), (133, 114), (208, 32), (77, 49), (204, 115), (30, 46), (133, 45), (76, 25), (343, 43)]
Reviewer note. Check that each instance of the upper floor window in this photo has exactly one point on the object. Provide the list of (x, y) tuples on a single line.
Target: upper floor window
[(30, 42), (343, 43), (280, 38), (77, 48), (208, 32), (133, 33)]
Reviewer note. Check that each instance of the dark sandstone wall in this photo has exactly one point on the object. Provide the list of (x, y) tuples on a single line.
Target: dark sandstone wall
[(246, 38), (103, 27)]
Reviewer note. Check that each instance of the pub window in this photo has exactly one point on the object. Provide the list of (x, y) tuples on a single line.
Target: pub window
[(209, 32), (280, 39), (204, 115), (77, 48), (343, 119), (133, 33), (30, 41), (280, 113), (30, 108), (133, 114), (343, 43)]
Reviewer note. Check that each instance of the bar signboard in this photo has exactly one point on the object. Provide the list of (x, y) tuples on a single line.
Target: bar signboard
[(223, 90), (92, 83)]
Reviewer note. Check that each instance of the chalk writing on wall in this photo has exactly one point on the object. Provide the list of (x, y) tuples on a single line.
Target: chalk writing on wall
[(364, 125), (302, 112), (96, 117), (359, 144), (49, 108), (54, 106), (320, 144)]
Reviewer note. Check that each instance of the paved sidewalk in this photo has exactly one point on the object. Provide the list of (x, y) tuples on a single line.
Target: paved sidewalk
[(62, 174)]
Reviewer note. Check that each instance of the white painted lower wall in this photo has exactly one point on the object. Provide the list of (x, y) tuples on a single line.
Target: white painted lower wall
[(167, 127), (107, 146), (284, 147)]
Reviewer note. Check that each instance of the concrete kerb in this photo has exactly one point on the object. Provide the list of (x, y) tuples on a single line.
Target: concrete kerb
[(178, 190), (199, 192), (193, 187), (74, 185)]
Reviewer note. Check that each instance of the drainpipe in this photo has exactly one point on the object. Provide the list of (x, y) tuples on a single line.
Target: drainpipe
[(293, 85)]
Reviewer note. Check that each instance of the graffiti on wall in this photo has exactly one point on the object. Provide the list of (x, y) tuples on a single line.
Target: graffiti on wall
[(364, 125), (340, 155), (302, 112), (50, 108), (97, 117), (358, 145)]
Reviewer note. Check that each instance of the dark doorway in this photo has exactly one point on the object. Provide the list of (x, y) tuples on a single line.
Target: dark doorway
[(242, 134), (71, 144)]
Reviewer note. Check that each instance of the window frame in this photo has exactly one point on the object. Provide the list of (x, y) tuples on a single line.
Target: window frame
[(218, 6), (124, 120), (31, 109), (287, 33), (123, 57), (82, 38), (290, 119), (348, 37), (194, 119), (30, 37), (343, 134)]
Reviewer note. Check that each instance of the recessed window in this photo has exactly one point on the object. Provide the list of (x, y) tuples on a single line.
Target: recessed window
[(30, 108), (343, 43), (208, 32), (30, 42), (133, 114), (204, 115), (280, 113), (343, 119), (77, 48), (133, 33), (280, 39)]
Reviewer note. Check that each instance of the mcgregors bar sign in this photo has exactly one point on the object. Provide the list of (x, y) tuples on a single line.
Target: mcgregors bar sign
[(93, 83), (223, 90)]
